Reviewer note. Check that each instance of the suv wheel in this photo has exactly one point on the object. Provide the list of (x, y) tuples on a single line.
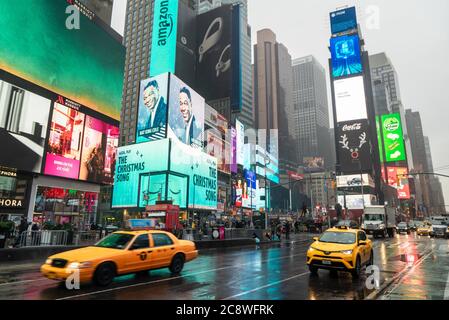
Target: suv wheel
[(357, 269)]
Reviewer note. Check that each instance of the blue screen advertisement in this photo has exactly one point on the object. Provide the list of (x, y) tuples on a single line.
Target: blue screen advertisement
[(163, 44), (152, 113), (249, 199), (343, 20), (202, 171), (346, 59), (133, 162)]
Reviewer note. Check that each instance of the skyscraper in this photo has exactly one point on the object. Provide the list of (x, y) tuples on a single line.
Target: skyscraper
[(383, 69), (436, 195), (310, 111), (246, 115)]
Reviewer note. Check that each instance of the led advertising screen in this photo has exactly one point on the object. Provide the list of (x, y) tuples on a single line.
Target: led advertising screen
[(65, 142), (313, 164), (343, 20), (354, 180), (215, 120), (85, 65), (350, 99), (216, 147), (346, 58), (186, 114), (218, 58), (356, 201), (233, 150), (354, 151), (163, 43), (240, 142), (379, 139), (249, 192), (152, 113), (134, 161), (23, 127), (393, 137), (398, 179), (99, 153), (202, 171)]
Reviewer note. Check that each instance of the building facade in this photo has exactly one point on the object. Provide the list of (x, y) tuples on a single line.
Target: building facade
[(102, 8)]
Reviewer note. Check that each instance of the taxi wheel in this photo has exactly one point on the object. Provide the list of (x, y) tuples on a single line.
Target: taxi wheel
[(357, 269), (104, 274), (177, 264), (313, 270)]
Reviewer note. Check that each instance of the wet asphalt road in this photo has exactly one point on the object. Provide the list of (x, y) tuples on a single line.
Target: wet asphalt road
[(411, 267)]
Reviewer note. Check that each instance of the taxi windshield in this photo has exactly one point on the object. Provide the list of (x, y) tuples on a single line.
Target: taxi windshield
[(338, 237), (115, 241)]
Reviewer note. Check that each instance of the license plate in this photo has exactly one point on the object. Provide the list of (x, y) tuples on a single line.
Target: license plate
[(327, 262)]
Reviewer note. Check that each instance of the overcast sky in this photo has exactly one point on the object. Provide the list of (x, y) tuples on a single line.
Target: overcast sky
[(413, 33)]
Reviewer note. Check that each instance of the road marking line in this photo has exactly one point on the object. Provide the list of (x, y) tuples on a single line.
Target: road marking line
[(446, 291), (173, 278), (23, 281), (266, 286)]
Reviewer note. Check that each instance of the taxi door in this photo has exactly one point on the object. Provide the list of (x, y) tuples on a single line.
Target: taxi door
[(139, 255), (163, 250), (364, 250)]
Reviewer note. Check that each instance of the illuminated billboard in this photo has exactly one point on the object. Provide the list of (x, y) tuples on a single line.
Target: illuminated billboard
[(350, 102), (152, 113), (356, 201), (346, 58), (354, 180), (343, 20), (23, 127), (218, 148), (186, 114), (240, 142), (85, 65), (313, 164), (233, 150), (398, 179), (354, 151), (249, 192), (393, 138), (163, 43), (133, 161)]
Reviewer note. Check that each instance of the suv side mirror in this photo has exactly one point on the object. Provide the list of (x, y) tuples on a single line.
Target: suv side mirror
[(315, 238)]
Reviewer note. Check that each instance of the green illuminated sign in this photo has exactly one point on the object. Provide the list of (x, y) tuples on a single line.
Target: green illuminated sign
[(379, 139), (393, 138), (163, 45)]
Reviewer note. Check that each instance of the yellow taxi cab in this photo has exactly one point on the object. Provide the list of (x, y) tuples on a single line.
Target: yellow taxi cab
[(340, 248), (119, 253), (424, 229)]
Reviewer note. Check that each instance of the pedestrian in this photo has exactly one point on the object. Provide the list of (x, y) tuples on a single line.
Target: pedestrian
[(287, 230)]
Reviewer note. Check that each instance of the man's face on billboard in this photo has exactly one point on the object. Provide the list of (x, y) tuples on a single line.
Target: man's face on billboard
[(150, 97), (185, 106)]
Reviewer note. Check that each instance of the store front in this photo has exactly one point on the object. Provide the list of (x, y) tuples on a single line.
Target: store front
[(14, 188)]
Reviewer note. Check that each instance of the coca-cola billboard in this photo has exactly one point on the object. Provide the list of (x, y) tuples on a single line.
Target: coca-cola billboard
[(353, 146)]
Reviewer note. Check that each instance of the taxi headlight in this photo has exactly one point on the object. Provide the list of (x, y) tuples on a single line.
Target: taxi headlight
[(79, 265), (48, 261), (382, 226), (311, 249), (431, 229), (346, 252)]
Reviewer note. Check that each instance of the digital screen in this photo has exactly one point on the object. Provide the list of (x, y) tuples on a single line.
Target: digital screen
[(240, 142), (134, 161), (163, 43), (216, 147), (398, 179), (249, 190), (346, 59), (186, 114), (152, 114), (350, 99), (313, 164), (354, 180), (233, 150), (23, 127), (353, 148), (356, 201), (343, 20), (393, 138), (202, 171), (85, 65)]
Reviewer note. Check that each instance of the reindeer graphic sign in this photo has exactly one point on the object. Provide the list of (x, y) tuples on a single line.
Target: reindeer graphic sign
[(353, 146)]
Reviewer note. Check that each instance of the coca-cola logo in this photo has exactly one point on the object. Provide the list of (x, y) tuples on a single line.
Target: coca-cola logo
[(352, 127)]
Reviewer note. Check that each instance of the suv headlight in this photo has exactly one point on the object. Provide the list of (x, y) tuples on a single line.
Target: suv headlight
[(382, 226), (346, 252), (363, 226), (79, 265), (48, 261)]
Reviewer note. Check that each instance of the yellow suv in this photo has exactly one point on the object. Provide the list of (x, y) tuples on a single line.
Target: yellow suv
[(340, 248)]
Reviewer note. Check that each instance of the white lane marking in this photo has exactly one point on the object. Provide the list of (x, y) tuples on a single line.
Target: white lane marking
[(266, 286), (173, 278), (446, 291), (23, 281)]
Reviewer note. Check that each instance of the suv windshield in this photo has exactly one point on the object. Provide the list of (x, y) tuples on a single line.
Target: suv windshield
[(115, 241), (338, 237), (373, 217)]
